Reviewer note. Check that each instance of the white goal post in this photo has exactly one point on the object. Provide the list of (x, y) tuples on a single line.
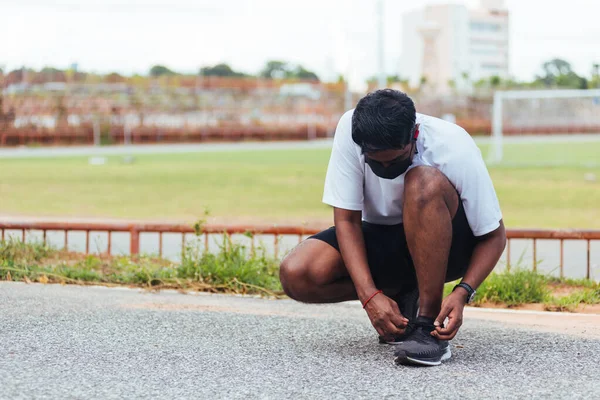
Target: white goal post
[(555, 109)]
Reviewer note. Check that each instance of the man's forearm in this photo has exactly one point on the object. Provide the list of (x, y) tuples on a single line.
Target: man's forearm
[(485, 256), (352, 247)]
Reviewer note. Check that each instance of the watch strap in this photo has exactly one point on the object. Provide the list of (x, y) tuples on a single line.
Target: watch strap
[(468, 288)]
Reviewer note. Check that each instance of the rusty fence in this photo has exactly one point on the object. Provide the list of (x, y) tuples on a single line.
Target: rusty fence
[(135, 229), (84, 135)]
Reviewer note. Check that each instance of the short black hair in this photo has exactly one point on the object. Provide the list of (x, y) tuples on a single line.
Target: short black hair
[(383, 120)]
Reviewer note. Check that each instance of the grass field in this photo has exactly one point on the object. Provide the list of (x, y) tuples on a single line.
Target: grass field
[(278, 187)]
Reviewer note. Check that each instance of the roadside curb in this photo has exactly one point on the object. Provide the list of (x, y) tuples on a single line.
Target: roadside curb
[(528, 312)]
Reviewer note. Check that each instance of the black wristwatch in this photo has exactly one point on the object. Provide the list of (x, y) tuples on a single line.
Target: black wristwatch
[(470, 291)]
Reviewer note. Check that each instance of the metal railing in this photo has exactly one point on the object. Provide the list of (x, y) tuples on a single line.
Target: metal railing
[(549, 234), (84, 135), (135, 229)]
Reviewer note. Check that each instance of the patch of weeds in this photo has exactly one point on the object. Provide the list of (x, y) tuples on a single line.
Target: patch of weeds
[(571, 301), (233, 268), (584, 283), (236, 268), (13, 251), (514, 288), (234, 265)]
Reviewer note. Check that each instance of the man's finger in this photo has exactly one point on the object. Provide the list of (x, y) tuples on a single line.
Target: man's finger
[(439, 321), (453, 324), (399, 317), (392, 329), (397, 312), (399, 321), (446, 337)]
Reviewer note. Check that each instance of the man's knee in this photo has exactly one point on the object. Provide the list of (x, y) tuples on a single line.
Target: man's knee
[(292, 274), (424, 184)]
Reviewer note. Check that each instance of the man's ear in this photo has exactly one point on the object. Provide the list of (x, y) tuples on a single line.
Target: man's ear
[(417, 131)]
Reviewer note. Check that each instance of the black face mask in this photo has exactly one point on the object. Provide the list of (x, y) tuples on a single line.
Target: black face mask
[(396, 168)]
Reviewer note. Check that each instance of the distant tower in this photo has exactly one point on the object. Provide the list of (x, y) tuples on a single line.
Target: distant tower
[(430, 32)]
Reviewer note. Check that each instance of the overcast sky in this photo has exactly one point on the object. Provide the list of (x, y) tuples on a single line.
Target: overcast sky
[(329, 36)]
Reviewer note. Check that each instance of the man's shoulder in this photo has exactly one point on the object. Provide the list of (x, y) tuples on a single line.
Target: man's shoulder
[(344, 128), (444, 143), (429, 124), (346, 118)]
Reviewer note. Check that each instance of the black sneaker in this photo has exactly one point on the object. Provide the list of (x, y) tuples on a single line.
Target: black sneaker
[(408, 302), (420, 347)]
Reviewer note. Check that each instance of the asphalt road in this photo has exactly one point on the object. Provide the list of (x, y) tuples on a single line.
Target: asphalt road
[(62, 342)]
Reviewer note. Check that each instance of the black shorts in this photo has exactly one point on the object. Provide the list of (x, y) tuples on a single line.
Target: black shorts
[(388, 256)]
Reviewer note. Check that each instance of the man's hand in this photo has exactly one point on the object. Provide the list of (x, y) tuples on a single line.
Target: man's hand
[(452, 307), (385, 316)]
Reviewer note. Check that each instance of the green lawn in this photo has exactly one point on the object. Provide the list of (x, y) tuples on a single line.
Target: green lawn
[(276, 187)]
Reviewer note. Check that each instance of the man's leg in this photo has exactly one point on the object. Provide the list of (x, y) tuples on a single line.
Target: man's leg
[(314, 272), (430, 203)]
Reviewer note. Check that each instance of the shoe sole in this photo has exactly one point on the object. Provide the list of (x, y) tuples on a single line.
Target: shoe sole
[(404, 359), (383, 341)]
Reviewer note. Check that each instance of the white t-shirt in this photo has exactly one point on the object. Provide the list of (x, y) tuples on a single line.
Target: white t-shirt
[(351, 184)]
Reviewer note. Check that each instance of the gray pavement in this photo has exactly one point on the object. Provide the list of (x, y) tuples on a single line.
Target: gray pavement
[(62, 342)]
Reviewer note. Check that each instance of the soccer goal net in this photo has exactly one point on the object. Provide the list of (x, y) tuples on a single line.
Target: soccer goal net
[(545, 128)]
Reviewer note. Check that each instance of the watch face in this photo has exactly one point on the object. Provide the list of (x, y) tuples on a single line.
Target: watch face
[(471, 297)]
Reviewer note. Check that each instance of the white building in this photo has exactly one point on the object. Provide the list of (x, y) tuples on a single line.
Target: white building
[(451, 45)]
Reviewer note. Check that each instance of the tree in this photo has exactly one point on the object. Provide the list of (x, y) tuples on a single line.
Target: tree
[(220, 70), (512, 83), (276, 69), (373, 80), (395, 79), (558, 73), (481, 83), (160, 70), (556, 67), (495, 81), (302, 73)]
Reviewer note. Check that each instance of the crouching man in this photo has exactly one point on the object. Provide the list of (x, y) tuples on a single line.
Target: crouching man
[(414, 207)]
